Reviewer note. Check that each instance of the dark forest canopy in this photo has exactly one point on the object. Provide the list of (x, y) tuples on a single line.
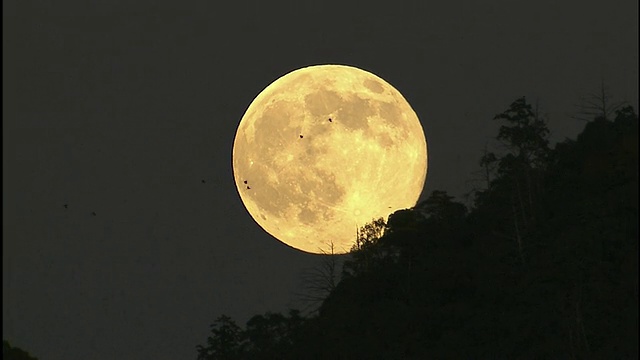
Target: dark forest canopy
[(14, 353), (543, 265)]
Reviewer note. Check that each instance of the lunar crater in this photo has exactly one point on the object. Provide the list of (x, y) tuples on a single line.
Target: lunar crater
[(373, 85)]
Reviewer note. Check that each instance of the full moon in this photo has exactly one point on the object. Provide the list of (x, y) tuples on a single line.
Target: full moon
[(325, 149)]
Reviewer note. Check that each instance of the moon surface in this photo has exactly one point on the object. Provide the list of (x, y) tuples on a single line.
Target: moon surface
[(325, 149)]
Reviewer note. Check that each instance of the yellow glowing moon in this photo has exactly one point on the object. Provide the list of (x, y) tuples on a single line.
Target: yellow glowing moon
[(325, 149)]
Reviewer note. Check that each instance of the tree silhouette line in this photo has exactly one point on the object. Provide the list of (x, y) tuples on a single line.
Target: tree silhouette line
[(542, 265), (14, 353)]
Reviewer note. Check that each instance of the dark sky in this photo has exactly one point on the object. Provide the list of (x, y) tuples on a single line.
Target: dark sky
[(122, 108)]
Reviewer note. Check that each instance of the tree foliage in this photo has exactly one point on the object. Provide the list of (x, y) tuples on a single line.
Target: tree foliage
[(544, 265), (14, 353), (225, 341)]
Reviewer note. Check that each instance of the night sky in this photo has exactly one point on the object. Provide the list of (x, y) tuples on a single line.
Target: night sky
[(121, 109)]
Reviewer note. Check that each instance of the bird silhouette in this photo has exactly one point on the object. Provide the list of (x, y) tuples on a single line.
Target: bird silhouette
[(66, 206), (93, 213), (203, 181)]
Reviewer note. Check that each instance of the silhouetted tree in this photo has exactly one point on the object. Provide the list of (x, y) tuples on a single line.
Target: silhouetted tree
[(225, 341), (440, 207), (270, 336), (488, 163), (14, 353), (319, 281), (514, 193), (366, 252), (443, 281), (597, 104), (524, 133)]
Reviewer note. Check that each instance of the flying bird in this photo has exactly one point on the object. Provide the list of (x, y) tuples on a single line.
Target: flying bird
[(66, 206), (93, 213), (203, 181)]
